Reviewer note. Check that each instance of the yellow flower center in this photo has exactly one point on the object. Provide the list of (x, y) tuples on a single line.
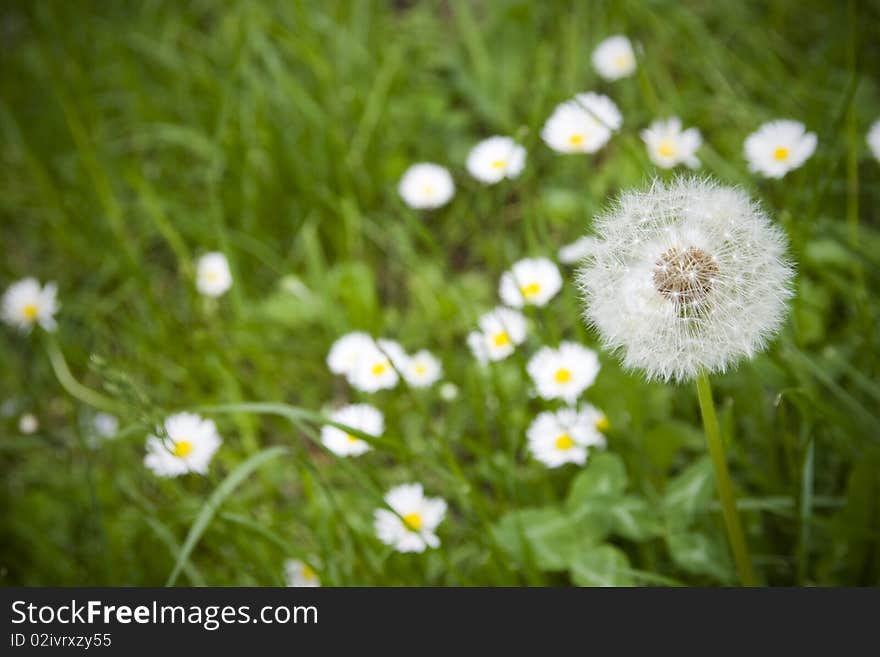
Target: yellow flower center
[(530, 290), (413, 521), (182, 448), (428, 190), (30, 311), (602, 424), (351, 439), (562, 375), (501, 339), (379, 369), (211, 276), (308, 573), (421, 369), (780, 154), (564, 442), (622, 61), (576, 140), (498, 164), (666, 148)]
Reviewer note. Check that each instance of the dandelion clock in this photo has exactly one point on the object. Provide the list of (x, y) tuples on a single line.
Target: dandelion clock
[(688, 279)]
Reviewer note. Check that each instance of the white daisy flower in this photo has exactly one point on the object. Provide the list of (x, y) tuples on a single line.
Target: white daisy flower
[(213, 277), (106, 425), (411, 527), (563, 373), (778, 147), (565, 436), (669, 145), (345, 352), (362, 417), (426, 185), (28, 423), (577, 250), (448, 391), (25, 303), (499, 332), (614, 58), (395, 352), (582, 125), (496, 158), (373, 371), (422, 369), (688, 276), (532, 281), (874, 139), (300, 574), (188, 444)]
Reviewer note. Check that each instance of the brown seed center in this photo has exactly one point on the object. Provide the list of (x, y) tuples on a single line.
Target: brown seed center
[(685, 276)]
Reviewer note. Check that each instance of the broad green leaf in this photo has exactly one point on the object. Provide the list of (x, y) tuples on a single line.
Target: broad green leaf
[(602, 565), (604, 475), (696, 553), (689, 492), (633, 518)]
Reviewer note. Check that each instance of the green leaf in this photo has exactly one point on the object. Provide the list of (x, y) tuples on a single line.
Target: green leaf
[(689, 492), (233, 479), (604, 475), (633, 518), (603, 565), (696, 553)]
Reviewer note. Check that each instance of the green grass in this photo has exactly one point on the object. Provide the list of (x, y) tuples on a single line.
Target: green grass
[(135, 136)]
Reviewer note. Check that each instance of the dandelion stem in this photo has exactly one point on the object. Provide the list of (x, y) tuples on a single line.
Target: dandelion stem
[(735, 534)]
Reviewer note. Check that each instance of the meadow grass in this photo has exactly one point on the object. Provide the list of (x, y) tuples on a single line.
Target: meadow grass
[(136, 136)]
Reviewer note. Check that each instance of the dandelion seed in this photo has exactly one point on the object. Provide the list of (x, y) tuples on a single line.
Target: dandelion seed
[(614, 58), (778, 147), (496, 158), (532, 281), (28, 424), (26, 303), (187, 444), (411, 526), (426, 186), (213, 277), (874, 139), (500, 331), (300, 574), (565, 436), (577, 250), (362, 417), (563, 373), (688, 276), (668, 145), (582, 125), (422, 369)]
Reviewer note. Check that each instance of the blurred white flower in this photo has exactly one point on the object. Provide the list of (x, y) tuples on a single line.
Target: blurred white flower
[(563, 373), (25, 303), (362, 417), (426, 185), (576, 251), (345, 352), (411, 527), (213, 277), (422, 369), (874, 139), (106, 425), (188, 445), (614, 58), (395, 352), (688, 276), (373, 371), (582, 125), (668, 145), (496, 158), (28, 423), (499, 332), (300, 574), (448, 391), (565, 436), (777, 147), (531, 281)]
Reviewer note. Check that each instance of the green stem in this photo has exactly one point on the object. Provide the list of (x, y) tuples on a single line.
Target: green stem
[(735, 534), (71, 385)]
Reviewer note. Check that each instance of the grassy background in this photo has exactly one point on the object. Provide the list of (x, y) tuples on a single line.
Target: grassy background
[(138, 135)]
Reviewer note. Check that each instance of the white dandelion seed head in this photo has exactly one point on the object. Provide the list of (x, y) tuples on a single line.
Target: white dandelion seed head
[(500, 331), (614, 58), (874, 139), (412, 525), (563, 373), (565, 436), (213, 277), (668, 145), (362, 417), (345, 352), (422, 369), (26, 303), (532, 281), (687, 276), (374, 369), (188, 445), (583, 124), (777, 147), (496, 158), (28, 424), (573, 253), (426, 186), (300, 574)]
